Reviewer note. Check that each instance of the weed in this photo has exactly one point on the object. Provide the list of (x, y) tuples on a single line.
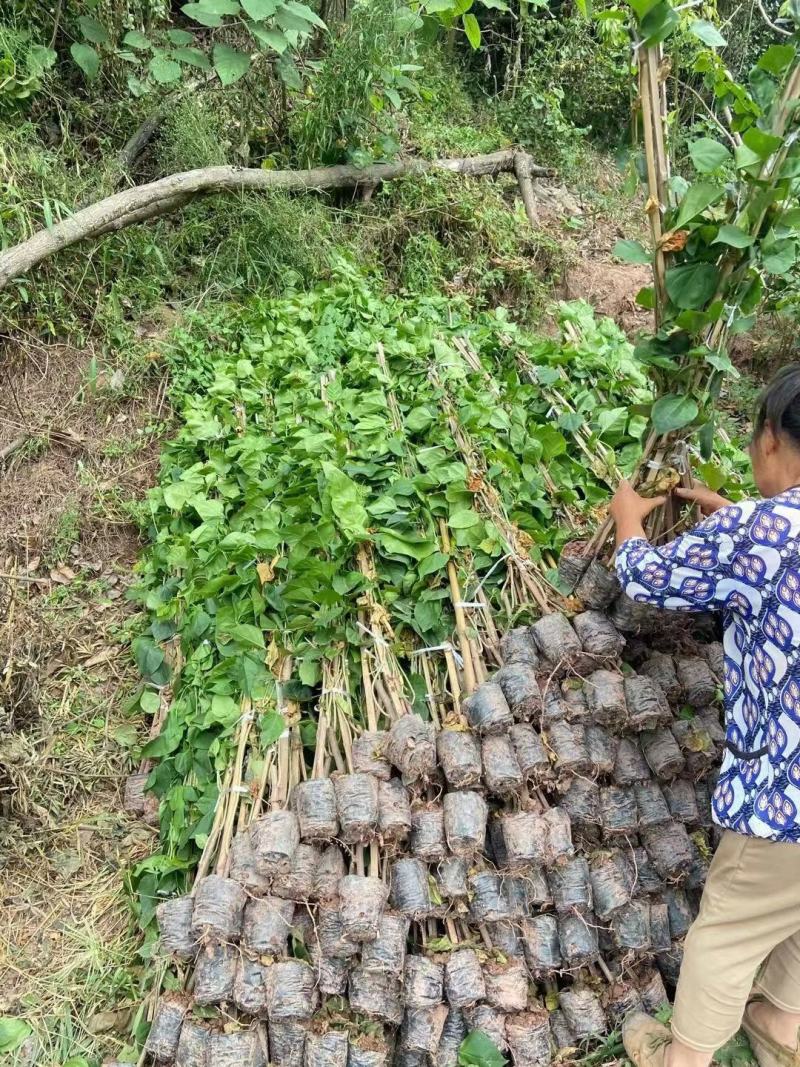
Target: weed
[(445, 119), (66, 533), (349, 113), (444, 231), (194, 135), (35, 446)]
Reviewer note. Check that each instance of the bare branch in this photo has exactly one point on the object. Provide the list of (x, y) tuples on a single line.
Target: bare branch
[(142, 202)]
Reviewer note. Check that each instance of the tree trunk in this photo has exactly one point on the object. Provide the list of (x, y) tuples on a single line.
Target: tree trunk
[(142, 202)]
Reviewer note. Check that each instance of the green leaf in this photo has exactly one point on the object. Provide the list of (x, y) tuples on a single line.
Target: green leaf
[(708, 33), (631, 252), (779, 256), (646, 297), (721, 361), (180, 37), (777, 58), (193, 56), (245, 633), (270, 727), (13, 1032), (250, 675), (464, 519), (658, 23), (414, 546), (288, 72), (223, 711), (692, 285), (150, 660), (221, 7), (149, 702), (673, 413), (708, 154), (436, 561), (86, 58), (229, 64), (93, 30), (304, 12), (705, 438), (163, 69), (760, 143), (258, 10), (733, 236), (134, 39), (274, 39), (345, 498), (478, 1050), (698, 198), (553, 443), (200, 14), (472, 29)]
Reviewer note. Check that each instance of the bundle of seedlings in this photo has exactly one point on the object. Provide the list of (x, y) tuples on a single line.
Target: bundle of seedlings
[(431, 878)]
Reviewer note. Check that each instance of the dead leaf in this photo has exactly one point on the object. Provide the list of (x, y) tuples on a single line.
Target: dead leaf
[(101, 657), (673, 240), (62, 575), (265, 572), (104, 1021), (117, 379), (66, 863), (475, 482)]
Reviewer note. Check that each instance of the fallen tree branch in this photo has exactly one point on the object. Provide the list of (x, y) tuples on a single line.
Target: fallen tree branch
[(142, 202)]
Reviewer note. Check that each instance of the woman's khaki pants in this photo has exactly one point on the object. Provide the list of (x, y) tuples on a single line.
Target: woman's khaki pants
[(749, 915)]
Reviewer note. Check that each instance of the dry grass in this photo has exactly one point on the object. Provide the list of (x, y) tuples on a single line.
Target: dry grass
[(68, 939)]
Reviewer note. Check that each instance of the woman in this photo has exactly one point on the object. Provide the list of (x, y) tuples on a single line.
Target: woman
[(743, 560)]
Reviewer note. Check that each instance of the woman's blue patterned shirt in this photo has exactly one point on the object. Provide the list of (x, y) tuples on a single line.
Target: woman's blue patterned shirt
[(744, 560)]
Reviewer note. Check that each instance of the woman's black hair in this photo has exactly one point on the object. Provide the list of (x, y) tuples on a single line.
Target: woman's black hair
[(779, 404)]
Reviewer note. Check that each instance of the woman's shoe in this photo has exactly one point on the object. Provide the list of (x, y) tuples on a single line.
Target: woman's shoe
[(646, 1040), (768, 1051)]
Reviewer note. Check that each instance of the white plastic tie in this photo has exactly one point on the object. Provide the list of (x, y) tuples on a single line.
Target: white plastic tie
[(446, 647), (337, 692), (377, 638), (240, 790), (468, 604)]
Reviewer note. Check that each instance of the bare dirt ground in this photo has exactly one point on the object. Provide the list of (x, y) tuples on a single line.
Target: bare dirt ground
[(611, 289), (79, 445)]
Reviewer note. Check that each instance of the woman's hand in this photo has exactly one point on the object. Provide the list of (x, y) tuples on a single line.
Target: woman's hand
[(629, 510), (628, 505), (706, 499)]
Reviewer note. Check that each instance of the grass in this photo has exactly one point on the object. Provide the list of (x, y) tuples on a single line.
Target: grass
[(67, 932)]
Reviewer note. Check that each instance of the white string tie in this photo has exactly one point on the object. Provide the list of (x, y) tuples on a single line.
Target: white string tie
[(446, 647), (371, 633)]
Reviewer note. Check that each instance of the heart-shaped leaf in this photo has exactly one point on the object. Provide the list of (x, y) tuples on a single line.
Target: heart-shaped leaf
[(673, 412), (692, 285), (229, 64), (708, 154), (698, 198), (86, 58), (631, 252)]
